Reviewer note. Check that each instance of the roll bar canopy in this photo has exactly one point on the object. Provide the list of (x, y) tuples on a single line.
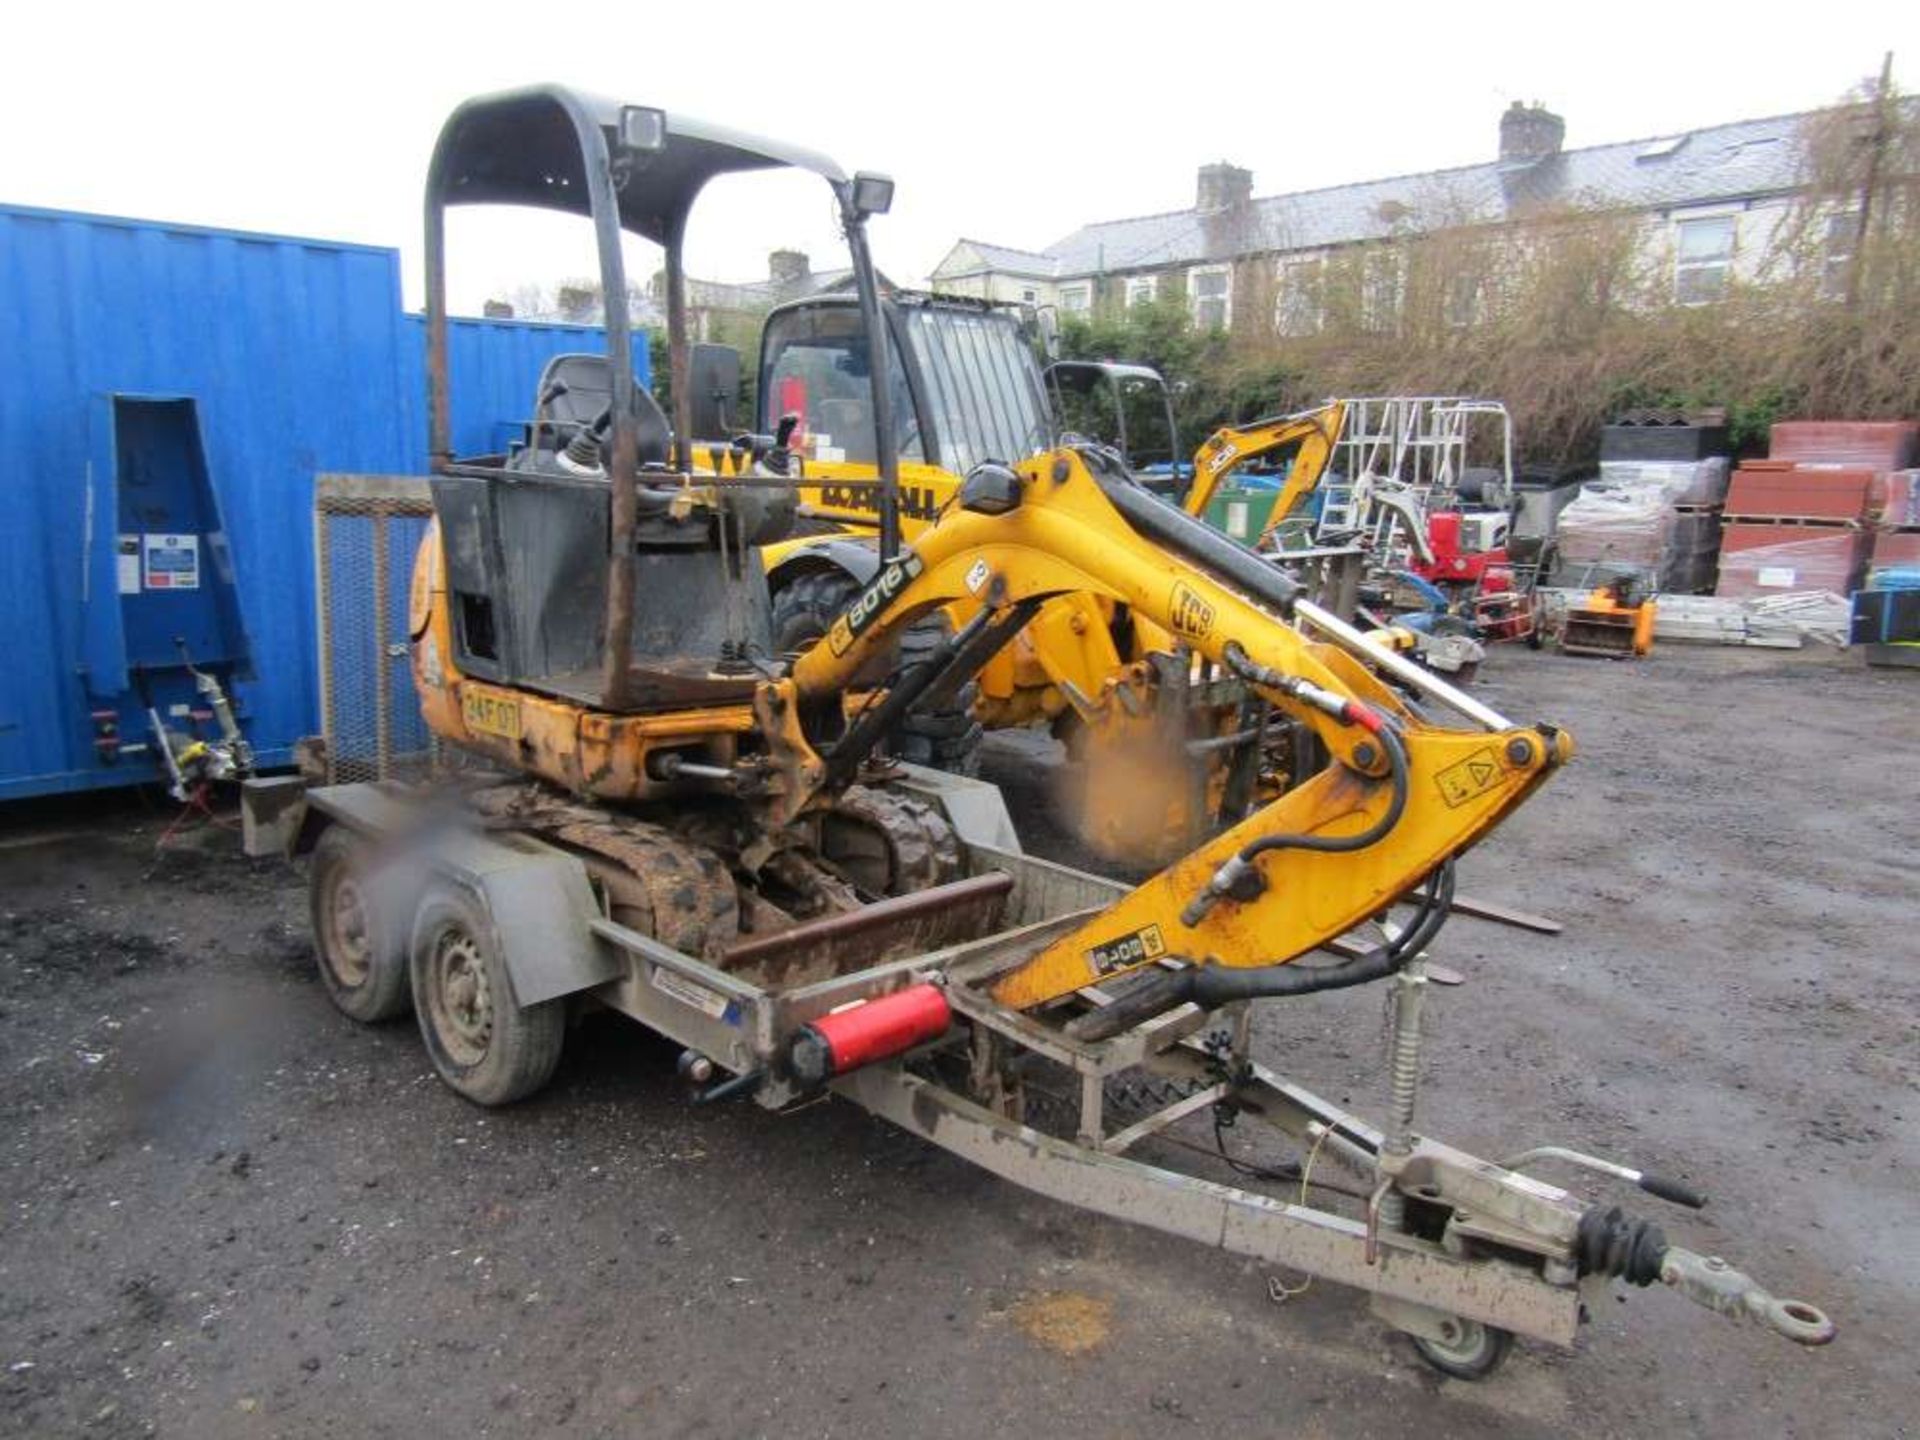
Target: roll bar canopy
[(627, 167), (529, 147)]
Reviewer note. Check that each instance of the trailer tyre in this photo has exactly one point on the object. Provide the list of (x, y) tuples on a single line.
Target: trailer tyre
[(485, 1046), (1474, 1353), (362, 962)]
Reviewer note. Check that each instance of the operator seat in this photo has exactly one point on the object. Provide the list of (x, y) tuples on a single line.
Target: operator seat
[(575, 391)]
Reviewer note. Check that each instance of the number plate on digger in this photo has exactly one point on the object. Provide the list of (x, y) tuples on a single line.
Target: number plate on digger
[(490, 715)]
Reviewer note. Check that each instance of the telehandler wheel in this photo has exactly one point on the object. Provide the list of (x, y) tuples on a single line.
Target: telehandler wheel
[(484, 1045), (362, 962), (1474, 1352), (807, 605), (944, 739)]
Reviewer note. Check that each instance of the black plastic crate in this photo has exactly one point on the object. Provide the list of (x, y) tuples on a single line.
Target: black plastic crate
[(1662, 441)]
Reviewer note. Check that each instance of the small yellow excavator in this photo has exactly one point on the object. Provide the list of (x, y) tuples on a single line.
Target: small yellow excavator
[(663, 816)]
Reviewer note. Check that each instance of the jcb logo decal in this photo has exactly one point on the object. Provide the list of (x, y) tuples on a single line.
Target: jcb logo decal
[(1128, 951), (872, 602), (1192, 617)]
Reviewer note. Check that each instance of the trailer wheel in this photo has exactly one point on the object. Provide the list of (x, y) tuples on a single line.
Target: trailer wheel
[(1473, 1353), (362, 964), (484, 1045)]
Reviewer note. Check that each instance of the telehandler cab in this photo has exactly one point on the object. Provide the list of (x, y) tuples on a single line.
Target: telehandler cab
[(672, 821)]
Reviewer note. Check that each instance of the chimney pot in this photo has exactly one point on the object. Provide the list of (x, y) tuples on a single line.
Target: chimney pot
[(1529, 133), (1222, 187), (788, 267)]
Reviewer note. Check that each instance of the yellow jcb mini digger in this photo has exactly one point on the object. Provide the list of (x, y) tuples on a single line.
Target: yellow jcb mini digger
[(663, 816)]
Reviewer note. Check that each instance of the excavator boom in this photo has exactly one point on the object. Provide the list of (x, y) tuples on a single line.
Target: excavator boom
[(1315, 433), (1400, 796)]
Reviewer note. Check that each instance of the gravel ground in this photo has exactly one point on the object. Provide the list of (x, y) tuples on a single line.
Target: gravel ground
[(227, 1210)]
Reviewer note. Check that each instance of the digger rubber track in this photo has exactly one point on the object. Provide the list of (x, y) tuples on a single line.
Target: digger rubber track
[(683, 893)]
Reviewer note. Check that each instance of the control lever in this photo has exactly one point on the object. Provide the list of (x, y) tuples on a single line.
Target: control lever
[(1663, 1187), (780, 457)]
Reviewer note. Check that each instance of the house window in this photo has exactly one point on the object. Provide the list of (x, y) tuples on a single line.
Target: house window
[(1076, 299), (1703, 259), (1027, 297), (1843, 233), (1380, 291), (1296, 308), (1463, 300), (1210, 293), (1142, 289)]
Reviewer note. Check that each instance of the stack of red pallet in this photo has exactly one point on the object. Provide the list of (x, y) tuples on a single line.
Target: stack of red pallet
[(1800, 520), (1896, 536)]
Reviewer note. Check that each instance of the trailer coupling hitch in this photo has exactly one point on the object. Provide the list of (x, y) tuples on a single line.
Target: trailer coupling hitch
[(1710, 1281), (1608, 1243)]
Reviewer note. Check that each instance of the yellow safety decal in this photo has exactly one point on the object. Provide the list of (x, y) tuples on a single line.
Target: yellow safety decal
[(490, 715), (839, 636), (1470, 778), (1128, 951), (1192, 617)]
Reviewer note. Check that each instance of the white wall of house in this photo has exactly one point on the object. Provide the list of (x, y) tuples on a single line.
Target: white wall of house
[(1002, 289), (965, 272)]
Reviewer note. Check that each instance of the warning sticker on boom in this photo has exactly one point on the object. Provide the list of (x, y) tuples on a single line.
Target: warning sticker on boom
[(1128, 951), (1470, 778)]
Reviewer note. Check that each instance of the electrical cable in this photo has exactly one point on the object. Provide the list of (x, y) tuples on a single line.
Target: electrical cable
[(1278, 1290)]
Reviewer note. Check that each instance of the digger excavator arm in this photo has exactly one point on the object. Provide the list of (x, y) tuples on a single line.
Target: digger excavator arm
[(1314, 431), (1400, 796)]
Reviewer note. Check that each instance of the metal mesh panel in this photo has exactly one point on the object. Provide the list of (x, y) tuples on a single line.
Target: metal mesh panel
[(366, 529)]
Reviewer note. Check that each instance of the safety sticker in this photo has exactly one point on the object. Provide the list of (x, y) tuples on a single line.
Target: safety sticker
[(126, 556), (1128, 951), (1470, 778), (689, 992), (1192, 617), (172, 561), (978, 574)]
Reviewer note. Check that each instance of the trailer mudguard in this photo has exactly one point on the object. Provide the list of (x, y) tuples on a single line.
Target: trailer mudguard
[(536, 897)]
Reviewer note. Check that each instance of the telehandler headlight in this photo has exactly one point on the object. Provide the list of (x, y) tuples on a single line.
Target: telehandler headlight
[(990, 489)]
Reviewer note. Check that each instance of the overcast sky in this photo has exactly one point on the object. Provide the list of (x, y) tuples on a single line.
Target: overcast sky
[(1007, 122)]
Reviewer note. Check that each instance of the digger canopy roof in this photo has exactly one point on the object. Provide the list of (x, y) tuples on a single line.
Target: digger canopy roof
[(529, 147)]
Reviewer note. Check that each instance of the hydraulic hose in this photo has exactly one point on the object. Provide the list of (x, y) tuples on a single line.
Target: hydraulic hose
[(1191, 539), (1211, 986), (1340, 844), (1237, 879), (1216, 985)]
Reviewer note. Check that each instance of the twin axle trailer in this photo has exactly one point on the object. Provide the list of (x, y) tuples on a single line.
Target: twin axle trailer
[(505, 930)]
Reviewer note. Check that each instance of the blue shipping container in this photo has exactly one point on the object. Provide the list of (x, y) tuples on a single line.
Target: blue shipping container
[(167, 394)]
